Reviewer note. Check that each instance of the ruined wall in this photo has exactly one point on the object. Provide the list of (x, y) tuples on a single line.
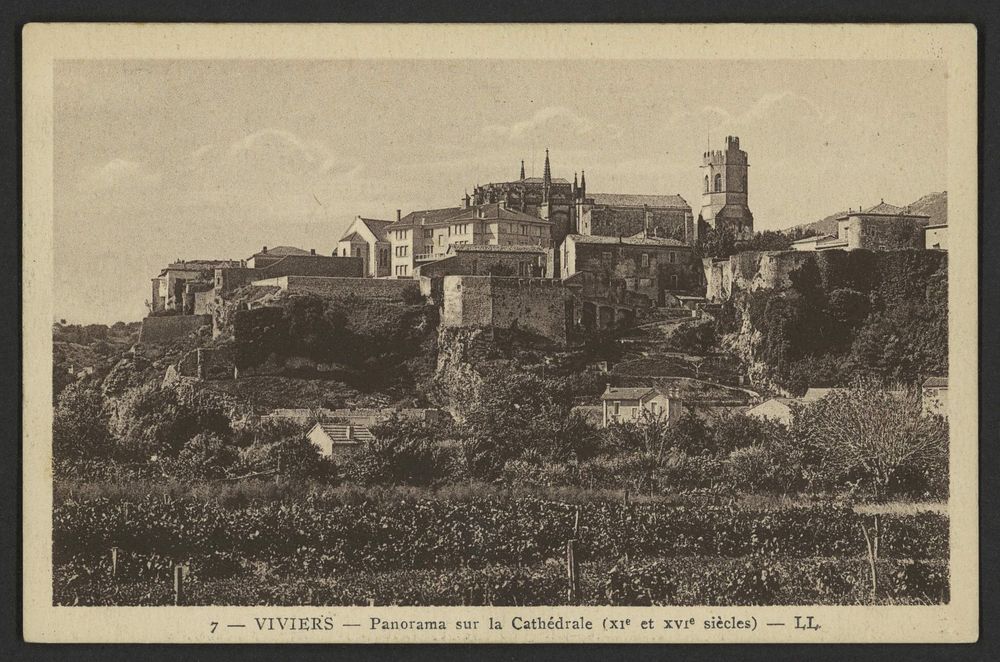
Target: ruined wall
[(534, 305), (752, 270), (386, 289)]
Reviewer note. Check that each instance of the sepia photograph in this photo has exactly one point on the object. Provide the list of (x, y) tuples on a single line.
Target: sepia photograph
[(485, 332)]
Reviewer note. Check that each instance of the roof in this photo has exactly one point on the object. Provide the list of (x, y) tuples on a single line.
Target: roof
[(354, 236), (342, 433), (535, 180), (638, 200), (493, 210), (377, 226), (199, 265), (936, 382), (784, 401), (426, 216), (626, 393), (635, 240), (817, 393), (491, 248), (308, 265), (283, 250), (883, 208), (815, 237)]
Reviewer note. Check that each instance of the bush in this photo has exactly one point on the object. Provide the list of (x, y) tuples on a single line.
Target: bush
[(696, 337), (403, 452), (750, 469), (80, 425)]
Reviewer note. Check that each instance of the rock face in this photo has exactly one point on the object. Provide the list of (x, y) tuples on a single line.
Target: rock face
[(455, 379)]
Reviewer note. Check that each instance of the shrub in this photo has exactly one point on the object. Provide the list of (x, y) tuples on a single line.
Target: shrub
[(750, 469), (80, 425), (403, 452)]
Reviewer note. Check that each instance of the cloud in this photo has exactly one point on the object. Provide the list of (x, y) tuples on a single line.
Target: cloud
[(553, 124), (117, 174)]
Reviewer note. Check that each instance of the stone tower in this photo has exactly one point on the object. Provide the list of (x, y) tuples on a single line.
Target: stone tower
[(724, 190)]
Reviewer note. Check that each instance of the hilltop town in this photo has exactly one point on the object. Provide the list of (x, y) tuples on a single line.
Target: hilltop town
[(536, 343)]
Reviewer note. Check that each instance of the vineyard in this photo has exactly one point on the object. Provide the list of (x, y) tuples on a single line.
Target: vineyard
[(506, 550)]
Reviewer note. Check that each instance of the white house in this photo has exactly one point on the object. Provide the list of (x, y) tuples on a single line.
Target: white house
[(622, 404), (366, 238), (338, 438), (776, 409)]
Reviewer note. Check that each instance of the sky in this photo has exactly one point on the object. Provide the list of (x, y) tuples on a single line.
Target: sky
[(195, 159)]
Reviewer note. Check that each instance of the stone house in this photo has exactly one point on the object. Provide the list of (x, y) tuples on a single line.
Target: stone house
[(483, 260), (883, 227), (425, 236), (628, 404), (168, 288), (366, 238), (648, 266)]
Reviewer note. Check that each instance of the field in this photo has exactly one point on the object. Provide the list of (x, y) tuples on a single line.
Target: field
[(416, 548)]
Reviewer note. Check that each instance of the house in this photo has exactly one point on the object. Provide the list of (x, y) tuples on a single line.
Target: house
[(366, 238), (934, 396), (335, 439), (883, 227), (624, 404), (936, 237), (645, 265), (775, 409), (485, 260), (170, 291)]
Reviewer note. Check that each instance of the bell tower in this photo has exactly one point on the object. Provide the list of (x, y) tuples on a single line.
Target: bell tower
[(724, 190)]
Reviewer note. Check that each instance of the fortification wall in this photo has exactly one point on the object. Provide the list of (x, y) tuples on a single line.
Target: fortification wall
[(535, 305), (386, 289), (160, 330)]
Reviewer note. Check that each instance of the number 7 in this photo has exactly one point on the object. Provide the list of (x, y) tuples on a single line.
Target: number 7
[(214, 625)]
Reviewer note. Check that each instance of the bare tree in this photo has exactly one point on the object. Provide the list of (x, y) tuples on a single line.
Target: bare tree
[(873, 433)]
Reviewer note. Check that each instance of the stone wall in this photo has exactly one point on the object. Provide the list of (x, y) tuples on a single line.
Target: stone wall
[(160, 330), (627, 221), (386, 289), (497, 263), (534, 305)]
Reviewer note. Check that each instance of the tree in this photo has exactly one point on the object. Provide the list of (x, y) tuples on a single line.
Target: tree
[(80, 424), (403, 452), (874, 434)]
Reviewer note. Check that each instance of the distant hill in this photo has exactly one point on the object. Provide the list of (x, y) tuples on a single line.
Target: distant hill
[(934, 205)]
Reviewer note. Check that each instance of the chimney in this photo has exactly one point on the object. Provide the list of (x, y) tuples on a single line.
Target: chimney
[(399, 215), (312, 251), (264, 250)]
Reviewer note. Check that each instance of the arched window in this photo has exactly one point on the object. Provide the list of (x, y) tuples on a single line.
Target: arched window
[(718, 183), (706, 183)]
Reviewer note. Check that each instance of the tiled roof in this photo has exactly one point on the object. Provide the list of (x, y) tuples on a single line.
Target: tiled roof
[(426, 216), (882, 209), (635, 240), (354, 236), (936, 382), (338, 433), (626, 393), (377, 227), (637, 200), (200, 265), (305, 265), (491, 248), (495, 211), (537, 180), (284, 250)]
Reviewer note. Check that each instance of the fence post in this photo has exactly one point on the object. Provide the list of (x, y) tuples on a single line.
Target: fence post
[(277, 474), (114, 562), (178, 585), (573, 588)]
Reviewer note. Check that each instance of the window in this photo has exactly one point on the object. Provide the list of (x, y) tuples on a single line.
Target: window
[(645, 259), (428, 234), (618, 407), (673, 281), (401, 270), (440, 240), (718, 183), (672, 257), (524, 229), (706, 183)]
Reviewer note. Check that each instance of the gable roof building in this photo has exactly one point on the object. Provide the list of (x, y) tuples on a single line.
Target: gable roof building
[(366, 238)]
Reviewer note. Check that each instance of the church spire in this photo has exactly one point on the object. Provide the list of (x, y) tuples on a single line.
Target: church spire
[(548, 170), (522, 169), (583, 183)]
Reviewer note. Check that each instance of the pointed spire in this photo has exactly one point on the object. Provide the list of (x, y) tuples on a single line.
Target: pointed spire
[(548, 170), (522, 168), (575, 183), (583, 184)]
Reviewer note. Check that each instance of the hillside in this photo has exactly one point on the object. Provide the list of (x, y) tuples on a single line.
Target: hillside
[(934, 205)]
